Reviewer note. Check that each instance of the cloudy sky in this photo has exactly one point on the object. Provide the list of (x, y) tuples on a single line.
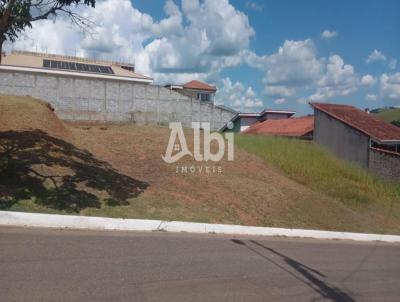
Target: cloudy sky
[(261, 54)]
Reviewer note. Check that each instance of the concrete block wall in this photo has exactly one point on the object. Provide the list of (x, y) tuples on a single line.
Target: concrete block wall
[(88, 99), (385, 163)]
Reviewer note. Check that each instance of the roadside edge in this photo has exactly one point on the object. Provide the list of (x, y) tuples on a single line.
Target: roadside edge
[(22, 219)]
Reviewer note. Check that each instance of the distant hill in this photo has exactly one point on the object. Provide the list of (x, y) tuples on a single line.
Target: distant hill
[(390, 115)]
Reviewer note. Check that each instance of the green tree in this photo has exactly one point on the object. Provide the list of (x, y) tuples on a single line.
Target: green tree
[(396, 123), (16, 15)]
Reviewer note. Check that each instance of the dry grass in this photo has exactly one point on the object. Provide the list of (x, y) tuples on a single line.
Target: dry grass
[(117, 171)]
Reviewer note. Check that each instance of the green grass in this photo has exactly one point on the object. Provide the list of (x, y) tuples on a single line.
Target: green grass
[(389, 115), (314, 167)]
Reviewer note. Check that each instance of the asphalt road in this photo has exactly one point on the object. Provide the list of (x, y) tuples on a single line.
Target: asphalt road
[(60, 265)]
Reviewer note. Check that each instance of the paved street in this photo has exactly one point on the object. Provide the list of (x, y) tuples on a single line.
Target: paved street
[(61, 265)]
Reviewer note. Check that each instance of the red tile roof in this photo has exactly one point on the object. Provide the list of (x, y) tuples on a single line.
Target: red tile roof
[(360, 120), (295, 127), (199, 86)]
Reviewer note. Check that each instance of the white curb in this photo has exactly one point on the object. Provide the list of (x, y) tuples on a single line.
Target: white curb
[(8, 218)]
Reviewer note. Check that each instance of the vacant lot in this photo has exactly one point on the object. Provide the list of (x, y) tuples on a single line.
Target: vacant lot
[(117, 170)]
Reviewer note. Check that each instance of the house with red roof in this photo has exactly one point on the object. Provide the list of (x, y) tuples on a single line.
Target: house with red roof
[(243, 120), (357, 136), (296, 127), (196, 89)]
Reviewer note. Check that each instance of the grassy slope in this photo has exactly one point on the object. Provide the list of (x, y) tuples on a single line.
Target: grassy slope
[(314, 167), (389, 115), (117, 170), (311, 165)]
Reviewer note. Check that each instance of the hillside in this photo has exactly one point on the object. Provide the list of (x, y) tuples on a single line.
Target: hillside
[(388, 114), (312, 166), (116, 170)]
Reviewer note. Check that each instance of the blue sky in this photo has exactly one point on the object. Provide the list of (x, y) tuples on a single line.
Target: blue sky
[(362, 27), (275, 54)]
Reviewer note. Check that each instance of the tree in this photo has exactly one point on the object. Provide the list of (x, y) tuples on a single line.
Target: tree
[(396, 122), (16, 15)]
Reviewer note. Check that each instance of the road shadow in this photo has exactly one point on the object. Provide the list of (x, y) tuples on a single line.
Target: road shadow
[(307, 275), (58, 175)]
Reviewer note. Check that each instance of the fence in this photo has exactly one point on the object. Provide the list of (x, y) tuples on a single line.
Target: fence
[(79, 98)]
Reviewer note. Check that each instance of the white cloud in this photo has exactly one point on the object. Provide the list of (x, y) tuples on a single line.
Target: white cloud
[(211, 40), (196, 40), (295, 68), (119, 32), (255, 6), (371, 97), (328, 34), (338, 80), (392, 64), (280, 101), (337, 73), (390, 86), (250, 92), (237, 96), (172, 24), (294, 65), (44, 38), (279, 91), (378, 56), (368, 80), (302, 100), (374, 56)]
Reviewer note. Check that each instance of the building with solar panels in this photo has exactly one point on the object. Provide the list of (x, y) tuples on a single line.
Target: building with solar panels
[(76, 66), (83, 89)]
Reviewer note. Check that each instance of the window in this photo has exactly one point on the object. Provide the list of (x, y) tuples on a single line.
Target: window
[(205, 97), (389, 147)]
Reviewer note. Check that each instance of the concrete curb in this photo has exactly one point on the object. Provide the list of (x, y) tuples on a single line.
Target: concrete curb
[(8, 218)]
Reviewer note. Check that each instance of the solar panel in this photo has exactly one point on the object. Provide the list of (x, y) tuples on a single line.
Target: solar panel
[(103, 69), (79, 67), (129, 68), (53, 64), (46, 63), (85, 67), (71, 66)]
